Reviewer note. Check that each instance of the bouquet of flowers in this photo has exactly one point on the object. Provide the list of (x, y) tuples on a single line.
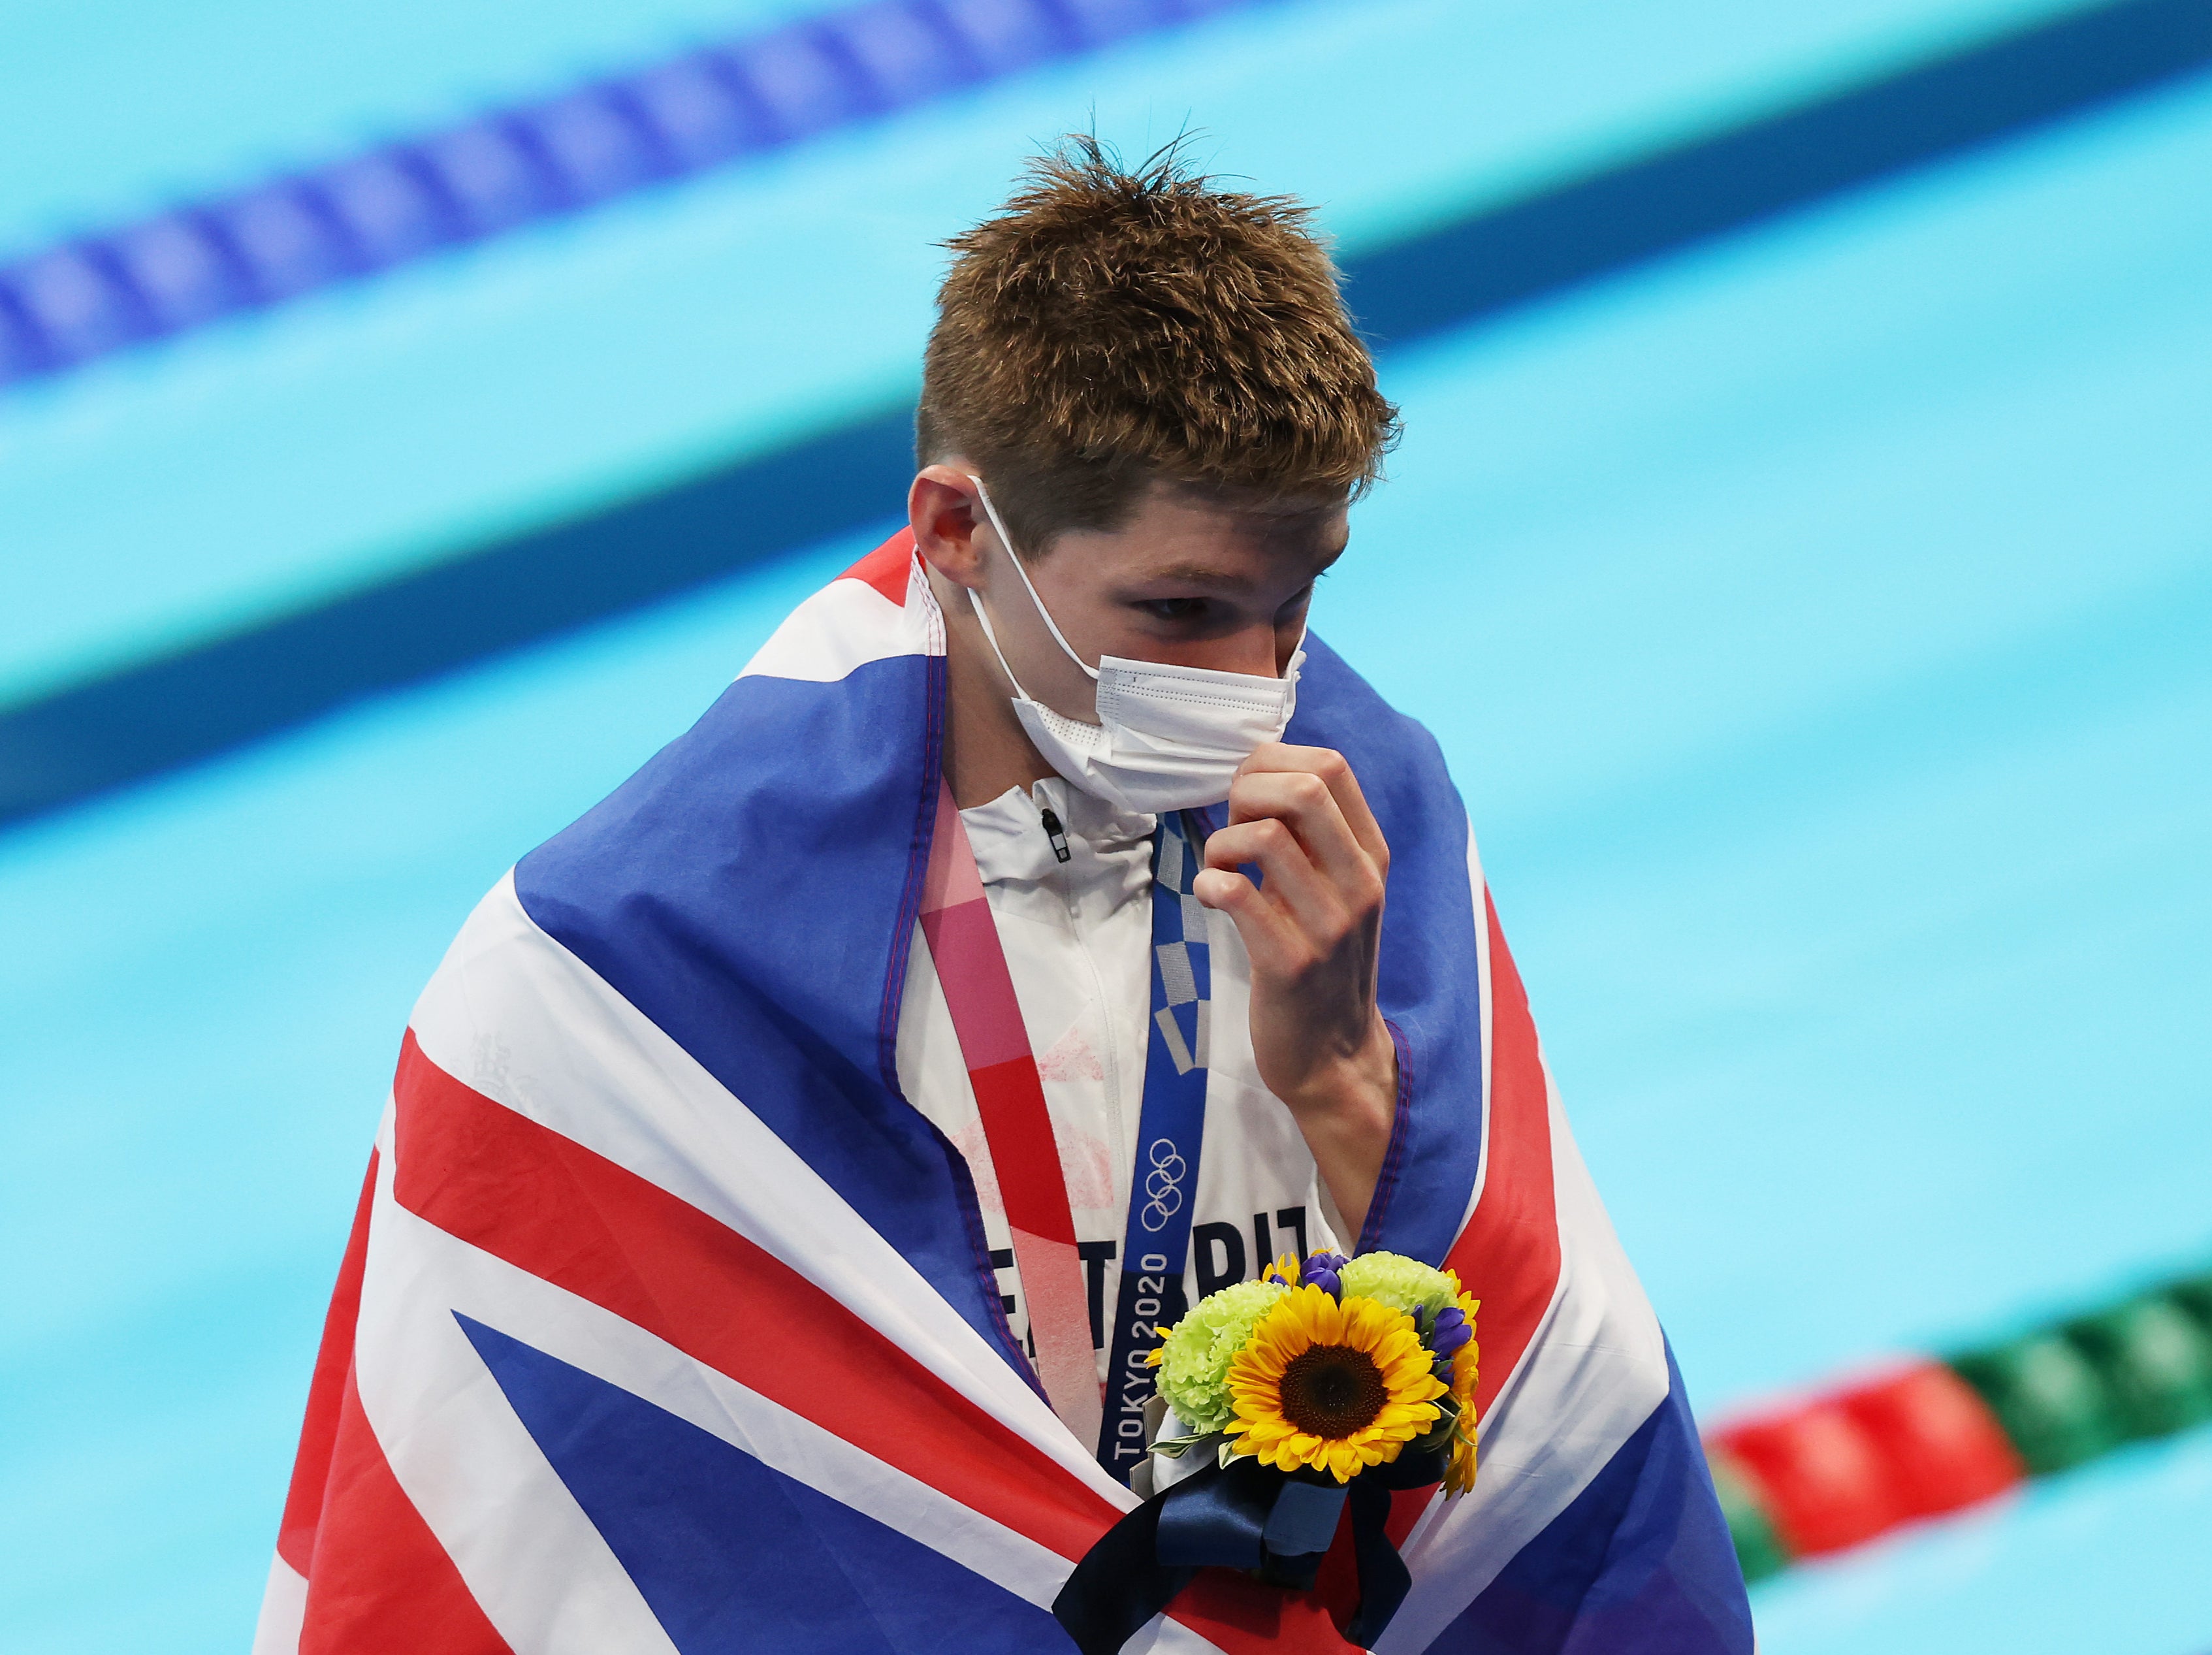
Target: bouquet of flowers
[(1338, 1365), (1322, 1385)]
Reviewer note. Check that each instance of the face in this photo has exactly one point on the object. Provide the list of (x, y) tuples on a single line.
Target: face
[(1188, 579)]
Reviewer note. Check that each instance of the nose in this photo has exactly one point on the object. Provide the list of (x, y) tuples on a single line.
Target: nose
[(1260, 650)]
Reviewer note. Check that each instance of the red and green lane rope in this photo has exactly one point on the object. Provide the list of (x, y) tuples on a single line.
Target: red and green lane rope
[(1832, 1471)]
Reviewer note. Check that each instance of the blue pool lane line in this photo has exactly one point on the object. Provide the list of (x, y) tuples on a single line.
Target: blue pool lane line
[(154, 715), (86, 298)]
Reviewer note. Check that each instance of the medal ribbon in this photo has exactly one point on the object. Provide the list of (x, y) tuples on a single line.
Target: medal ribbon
[(971, 965), (987, 1017), (1171, 1133)]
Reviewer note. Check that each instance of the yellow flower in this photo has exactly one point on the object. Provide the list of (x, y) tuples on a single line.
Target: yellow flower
[(1329, 1384), (1459, 1475), (1285, 1269)]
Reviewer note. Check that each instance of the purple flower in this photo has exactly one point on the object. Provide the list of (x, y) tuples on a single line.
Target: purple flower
[(1321, 1271), (1449, 1330)]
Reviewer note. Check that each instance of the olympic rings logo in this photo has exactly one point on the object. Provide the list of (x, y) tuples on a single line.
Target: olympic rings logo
[(1162, 1186)]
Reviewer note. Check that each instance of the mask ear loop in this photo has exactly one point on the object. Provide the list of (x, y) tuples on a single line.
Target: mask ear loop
[(992, 638), (1051, 625)]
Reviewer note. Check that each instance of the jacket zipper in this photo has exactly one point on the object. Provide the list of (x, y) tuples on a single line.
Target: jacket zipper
[(1055, 833)]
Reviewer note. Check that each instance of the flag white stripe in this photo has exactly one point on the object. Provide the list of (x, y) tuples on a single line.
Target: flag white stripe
[(283, 1607), (1483, 943), (846, 626)]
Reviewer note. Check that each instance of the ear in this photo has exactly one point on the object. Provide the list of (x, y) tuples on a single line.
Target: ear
[(942, 509)]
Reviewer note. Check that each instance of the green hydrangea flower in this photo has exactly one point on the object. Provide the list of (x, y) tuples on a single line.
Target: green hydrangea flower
[(1193, 1371), (1403, 1283)]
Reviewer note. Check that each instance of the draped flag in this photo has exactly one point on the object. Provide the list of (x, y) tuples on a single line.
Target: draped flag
[(668, 1324)]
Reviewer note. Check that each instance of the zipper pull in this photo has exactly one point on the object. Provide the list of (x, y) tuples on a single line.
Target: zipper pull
[(1054, 831)]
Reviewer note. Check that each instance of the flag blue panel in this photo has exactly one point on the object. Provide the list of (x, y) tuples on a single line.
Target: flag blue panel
[(733, 1557), (1641, 1563)]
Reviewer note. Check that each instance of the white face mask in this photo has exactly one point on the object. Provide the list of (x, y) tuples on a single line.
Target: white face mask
[(1168, 738)]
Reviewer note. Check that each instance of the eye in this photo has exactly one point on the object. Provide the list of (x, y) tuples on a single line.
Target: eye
[(1174, 609)]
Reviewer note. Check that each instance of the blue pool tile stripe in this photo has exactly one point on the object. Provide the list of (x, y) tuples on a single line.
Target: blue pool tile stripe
[(85, 298), (1571, 232), (159, 714), (164, 714)]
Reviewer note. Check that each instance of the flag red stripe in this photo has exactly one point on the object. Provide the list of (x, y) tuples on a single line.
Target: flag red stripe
[(887, 568), (310, 1467), (1508, 1257), (379, 1579)]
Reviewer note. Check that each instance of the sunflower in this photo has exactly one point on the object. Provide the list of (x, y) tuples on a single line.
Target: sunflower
[(1339, 1386)]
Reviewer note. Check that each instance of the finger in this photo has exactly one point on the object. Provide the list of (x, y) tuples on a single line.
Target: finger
[(1322, 909), (1302, 802), (1271, 939), (1333, 769), (1308, 811), (1335, 772)]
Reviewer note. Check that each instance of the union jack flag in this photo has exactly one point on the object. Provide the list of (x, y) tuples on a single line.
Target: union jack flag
[(667, 1324)]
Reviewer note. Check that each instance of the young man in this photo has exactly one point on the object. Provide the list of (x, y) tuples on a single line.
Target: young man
[(790, 1163)]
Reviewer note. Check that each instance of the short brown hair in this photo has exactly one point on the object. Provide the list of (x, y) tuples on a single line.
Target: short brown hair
[(1112, 325)]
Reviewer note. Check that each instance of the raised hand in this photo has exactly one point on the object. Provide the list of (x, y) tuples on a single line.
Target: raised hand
[(1313, 927)]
